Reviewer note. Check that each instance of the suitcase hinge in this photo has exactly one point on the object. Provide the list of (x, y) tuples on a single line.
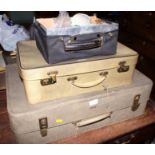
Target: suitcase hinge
[(135, 103), (123, 67), (43, 124), (50, 80)]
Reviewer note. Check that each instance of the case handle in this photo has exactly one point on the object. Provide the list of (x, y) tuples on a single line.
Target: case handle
[(92, 120), (77, 45), (88, 84)]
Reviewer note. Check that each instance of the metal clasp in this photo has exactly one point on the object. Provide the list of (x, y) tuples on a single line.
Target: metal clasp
[(72, 78), (43, 124), (51, 80), (123, 67), (136, 103)]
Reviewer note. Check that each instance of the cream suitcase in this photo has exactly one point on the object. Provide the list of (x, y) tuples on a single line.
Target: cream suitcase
[(61, 118), (45, 82)]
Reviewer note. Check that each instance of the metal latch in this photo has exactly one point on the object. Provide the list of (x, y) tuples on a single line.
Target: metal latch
[(43, 124), (50, 80), (123, 67), (135, 103)]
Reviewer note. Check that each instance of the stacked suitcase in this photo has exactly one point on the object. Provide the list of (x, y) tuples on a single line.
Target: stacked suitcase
[(55, 101)]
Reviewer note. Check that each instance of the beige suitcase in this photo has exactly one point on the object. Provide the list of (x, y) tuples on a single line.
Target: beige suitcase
[(61, 118), (45, 82)]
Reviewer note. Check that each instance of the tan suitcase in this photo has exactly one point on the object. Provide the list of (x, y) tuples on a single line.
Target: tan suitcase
[(54, 120), (45, 82)]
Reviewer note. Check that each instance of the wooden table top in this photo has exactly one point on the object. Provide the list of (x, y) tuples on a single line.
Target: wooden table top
[(108, 133)]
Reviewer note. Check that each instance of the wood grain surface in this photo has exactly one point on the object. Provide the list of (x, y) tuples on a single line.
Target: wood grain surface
[(6, 135)]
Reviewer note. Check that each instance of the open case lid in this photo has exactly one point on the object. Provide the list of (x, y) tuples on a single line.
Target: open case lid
[(46, 25)]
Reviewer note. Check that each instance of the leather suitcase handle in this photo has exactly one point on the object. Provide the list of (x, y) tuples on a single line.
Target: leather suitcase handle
[(71, 46), (88, 84), (93, 120)]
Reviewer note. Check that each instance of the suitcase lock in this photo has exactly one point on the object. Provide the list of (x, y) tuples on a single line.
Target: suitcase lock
[(50, 80), (123, 67), (136, 103), (43, 124)]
